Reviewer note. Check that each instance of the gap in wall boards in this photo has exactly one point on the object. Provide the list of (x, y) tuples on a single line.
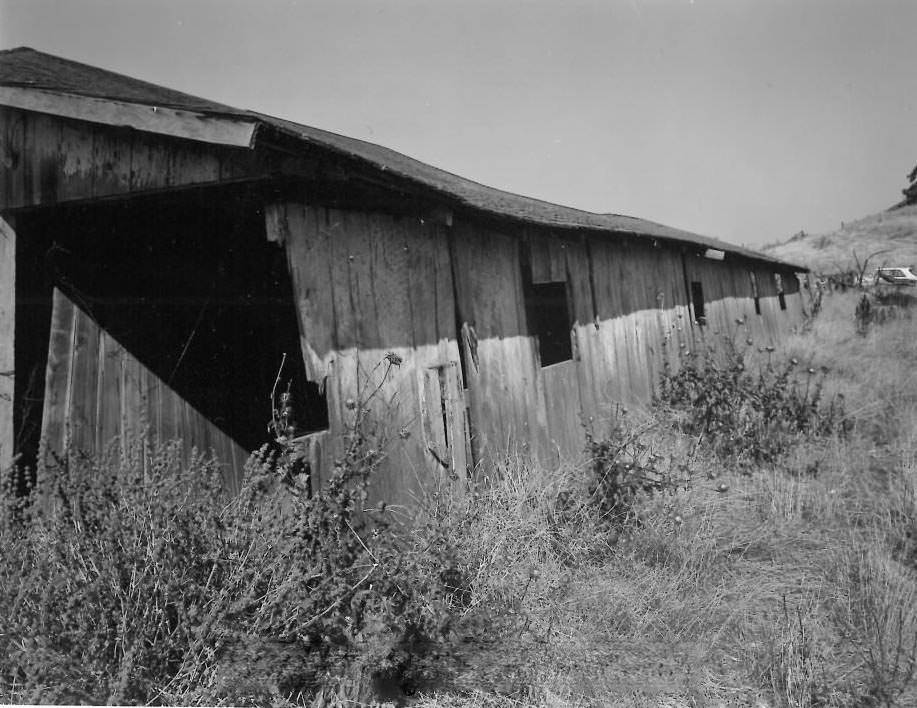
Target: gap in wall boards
[(754, 291), (697, 302)]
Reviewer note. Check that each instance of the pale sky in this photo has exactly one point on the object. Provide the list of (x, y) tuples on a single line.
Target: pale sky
[(742, 120)]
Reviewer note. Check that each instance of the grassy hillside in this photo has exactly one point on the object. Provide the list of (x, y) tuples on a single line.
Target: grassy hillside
[(750, 541), (892, 232)]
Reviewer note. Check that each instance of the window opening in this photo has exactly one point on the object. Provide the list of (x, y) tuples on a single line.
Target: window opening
[(549, 313), (754, 291), (778, 279), (697, 302)]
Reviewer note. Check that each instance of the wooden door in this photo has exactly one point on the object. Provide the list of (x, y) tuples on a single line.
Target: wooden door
[(98, 394)]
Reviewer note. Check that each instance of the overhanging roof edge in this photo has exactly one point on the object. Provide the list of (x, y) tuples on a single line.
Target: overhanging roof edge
[(178, 123)]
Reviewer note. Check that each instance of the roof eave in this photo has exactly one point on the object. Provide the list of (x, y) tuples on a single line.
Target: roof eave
[(161, 120)]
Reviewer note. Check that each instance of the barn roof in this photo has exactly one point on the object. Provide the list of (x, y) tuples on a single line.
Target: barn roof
[(26, 68)]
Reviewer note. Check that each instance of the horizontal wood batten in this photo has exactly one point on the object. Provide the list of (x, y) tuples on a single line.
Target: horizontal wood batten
[(152, 119)]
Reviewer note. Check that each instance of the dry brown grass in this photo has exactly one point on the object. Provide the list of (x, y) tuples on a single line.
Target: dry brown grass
[(795, 587), (892, 232), (791, 584)]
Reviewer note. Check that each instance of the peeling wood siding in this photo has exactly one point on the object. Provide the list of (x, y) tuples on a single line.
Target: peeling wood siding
[(98, 394), (47, 160), (366, 285), (7, 339)]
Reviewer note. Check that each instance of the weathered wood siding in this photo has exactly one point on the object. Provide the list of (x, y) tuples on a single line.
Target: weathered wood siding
[(47, 160), (368, 285), (505, 388), (728, 295), (642, 318), (97, 394), (7, 339)]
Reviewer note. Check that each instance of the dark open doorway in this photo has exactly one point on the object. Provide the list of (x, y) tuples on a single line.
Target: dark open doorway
[(188, 284)]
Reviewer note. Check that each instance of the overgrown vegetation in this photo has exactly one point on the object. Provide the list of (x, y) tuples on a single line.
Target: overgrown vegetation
[(130, 579), (750, 414), (751, 541)]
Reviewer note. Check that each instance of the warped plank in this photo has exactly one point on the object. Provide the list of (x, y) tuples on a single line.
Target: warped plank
[(7, 338), (57, 374)]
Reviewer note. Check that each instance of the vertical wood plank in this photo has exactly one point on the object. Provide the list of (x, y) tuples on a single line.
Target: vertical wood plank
[(563, 410), (109, 394), (76, 164), (7, 340), (12, 153), (192, 163), (57, 374), (111, 162), (84, 382), (454, 404), (151, 162), (307, 247), (43, 154)]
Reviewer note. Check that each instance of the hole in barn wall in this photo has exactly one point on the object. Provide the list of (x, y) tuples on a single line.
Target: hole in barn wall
[(189, 285), (549, 316), (754, 291), (697, 302)]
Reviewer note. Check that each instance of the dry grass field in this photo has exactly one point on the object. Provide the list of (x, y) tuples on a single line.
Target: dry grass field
[(890, 234), (714, 549), (786, 584)]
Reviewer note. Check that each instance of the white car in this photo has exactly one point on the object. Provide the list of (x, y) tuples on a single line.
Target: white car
[(895, 276)]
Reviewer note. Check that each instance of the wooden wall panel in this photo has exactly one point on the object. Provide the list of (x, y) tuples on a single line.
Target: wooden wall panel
[(367, 286), (46, 160), (7, 338), (729, 298), (564, 411), (97, 394), (504, 381)]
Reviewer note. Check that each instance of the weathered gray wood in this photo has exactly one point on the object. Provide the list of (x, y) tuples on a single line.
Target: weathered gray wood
[(57, 378), (47, 159), (190, 125), (564, 410), (7, 340), (303, 231), (97, 392), (84, 381)]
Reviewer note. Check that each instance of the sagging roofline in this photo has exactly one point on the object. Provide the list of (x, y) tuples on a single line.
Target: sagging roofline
[(122, 101)]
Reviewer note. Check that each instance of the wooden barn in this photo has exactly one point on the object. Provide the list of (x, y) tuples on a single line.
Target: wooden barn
[(160, 253)]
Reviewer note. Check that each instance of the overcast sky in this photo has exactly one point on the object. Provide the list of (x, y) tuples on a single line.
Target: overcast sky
[(743, 120)]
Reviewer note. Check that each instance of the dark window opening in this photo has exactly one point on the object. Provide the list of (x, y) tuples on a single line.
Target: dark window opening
[(189, 285), (754, 291), (778, 279), (697, 302), (549, 314)]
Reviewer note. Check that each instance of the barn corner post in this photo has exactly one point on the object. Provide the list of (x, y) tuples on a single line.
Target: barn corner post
[(7, 341)]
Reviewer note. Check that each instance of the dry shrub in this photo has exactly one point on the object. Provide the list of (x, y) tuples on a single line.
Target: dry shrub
[(130, 578)]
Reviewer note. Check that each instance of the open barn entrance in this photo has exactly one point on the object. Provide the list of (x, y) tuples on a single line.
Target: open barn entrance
[(188, 284)]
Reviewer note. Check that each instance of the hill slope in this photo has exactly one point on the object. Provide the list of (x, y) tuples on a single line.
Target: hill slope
[(894, 233)]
